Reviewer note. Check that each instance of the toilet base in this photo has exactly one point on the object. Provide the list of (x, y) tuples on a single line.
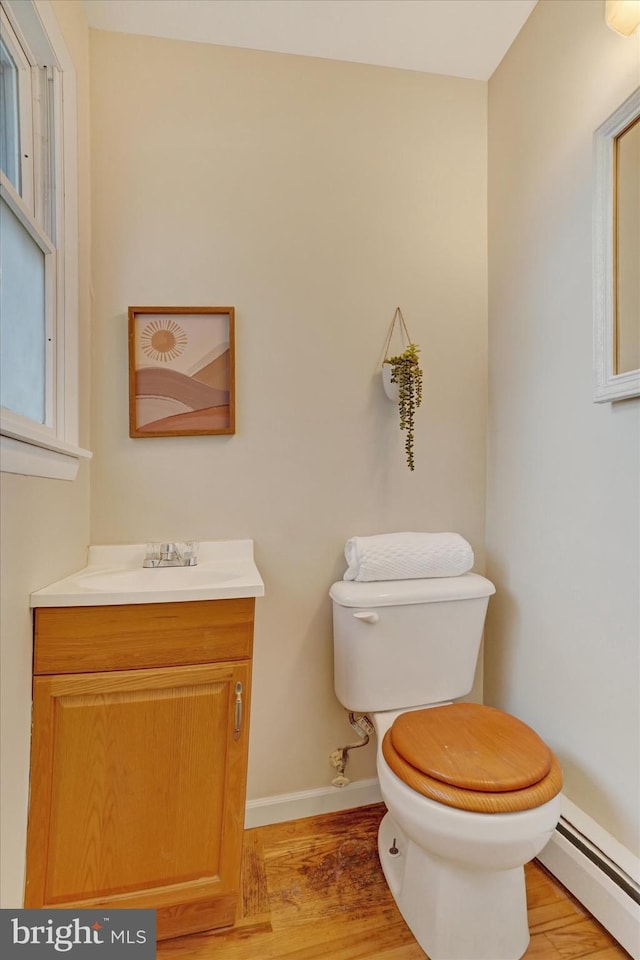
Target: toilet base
[(454, 912)]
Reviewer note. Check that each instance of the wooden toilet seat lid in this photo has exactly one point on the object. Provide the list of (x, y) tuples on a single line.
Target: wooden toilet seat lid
[(474, 801), (471, 746)]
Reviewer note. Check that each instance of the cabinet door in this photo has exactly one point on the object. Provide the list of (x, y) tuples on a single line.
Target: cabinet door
[(138, 792)]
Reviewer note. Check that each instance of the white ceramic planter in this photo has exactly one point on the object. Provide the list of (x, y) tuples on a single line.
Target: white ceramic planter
[(391, 389)]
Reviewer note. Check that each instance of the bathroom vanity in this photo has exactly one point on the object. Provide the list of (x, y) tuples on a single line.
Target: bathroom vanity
[(140, 738)]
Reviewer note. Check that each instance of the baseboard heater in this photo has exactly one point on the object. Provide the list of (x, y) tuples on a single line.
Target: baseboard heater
[(608, 867), (604, 887)]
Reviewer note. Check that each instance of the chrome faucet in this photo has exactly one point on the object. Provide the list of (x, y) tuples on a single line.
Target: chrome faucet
[(170, 555)]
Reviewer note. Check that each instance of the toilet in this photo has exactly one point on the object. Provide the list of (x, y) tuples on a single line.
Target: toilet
[(472, 793)]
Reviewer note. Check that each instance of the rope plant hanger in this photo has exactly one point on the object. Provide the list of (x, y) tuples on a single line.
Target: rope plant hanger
[(407, 375)]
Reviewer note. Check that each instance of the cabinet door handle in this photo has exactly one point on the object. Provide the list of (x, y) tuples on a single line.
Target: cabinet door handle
[(238, 713)]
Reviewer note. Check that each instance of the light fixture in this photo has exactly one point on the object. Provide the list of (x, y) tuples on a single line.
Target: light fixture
[(623, 16)]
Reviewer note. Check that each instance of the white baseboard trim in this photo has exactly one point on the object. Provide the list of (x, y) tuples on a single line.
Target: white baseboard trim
[(310, 803), (577, 859)]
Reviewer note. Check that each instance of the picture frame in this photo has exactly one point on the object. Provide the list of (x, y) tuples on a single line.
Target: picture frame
[(181, 371)]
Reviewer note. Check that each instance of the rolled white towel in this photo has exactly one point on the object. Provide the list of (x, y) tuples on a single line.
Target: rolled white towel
[(407, 556)]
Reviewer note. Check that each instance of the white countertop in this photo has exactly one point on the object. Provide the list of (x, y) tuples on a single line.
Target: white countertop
[(115, 575)]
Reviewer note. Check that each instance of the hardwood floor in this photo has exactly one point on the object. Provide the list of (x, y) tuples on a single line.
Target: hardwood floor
[(314, 890)]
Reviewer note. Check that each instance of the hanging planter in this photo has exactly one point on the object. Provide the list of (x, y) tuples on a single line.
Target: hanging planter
[(402, 381), (390, 386)]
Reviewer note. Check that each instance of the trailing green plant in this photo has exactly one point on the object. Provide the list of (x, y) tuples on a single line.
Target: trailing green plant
[(407, 373)]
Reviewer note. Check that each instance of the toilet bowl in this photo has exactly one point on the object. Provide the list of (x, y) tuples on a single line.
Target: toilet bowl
[(472, 793), (457, 875)]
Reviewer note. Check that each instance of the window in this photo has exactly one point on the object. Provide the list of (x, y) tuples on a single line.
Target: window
[(38, 245)]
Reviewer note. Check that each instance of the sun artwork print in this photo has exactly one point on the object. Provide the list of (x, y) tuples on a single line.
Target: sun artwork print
[(182, 372), (163, 340)]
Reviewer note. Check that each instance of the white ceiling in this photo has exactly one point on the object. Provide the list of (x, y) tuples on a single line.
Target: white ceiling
[(460, 38)]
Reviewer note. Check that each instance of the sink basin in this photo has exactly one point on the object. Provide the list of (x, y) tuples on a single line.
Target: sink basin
[(115, 575), (160, 579)]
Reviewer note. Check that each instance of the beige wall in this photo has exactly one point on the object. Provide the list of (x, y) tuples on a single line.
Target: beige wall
[(563, 527), (315, 197), (45, 529)]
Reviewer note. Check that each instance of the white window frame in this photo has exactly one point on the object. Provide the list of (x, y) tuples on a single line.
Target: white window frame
[(24, 95), (27, 447), (609, 385)]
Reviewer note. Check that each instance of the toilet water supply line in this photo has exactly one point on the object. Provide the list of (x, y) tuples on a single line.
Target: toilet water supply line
[(363, 726)]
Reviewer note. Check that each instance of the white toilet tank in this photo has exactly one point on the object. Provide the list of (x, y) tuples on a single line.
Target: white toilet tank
[(405, 643)]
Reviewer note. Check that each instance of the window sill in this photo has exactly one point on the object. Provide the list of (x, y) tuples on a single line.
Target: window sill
[(55, 460)]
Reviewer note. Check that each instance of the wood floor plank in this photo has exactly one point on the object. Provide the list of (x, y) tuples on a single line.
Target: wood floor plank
[(347, 941), (347, 865), (314, 890), (255, 896), (541, 886), (610, 953), (549, 916), (320, 940), (544, 890), (581, 939), (540, 948)]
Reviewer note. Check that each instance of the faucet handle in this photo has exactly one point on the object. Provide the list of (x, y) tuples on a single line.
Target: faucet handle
[(189, 551), (152, 556)]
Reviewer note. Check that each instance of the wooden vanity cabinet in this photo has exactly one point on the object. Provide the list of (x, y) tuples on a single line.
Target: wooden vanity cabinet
[(139, 756)]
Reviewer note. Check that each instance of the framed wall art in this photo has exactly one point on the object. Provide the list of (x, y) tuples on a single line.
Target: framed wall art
[(181, 371)]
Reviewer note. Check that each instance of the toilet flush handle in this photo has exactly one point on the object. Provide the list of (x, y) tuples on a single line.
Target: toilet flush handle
[(368, 616)]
